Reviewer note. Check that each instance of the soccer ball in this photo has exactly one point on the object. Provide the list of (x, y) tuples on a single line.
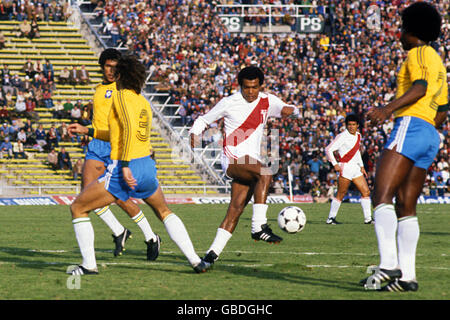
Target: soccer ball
[(291, 219)]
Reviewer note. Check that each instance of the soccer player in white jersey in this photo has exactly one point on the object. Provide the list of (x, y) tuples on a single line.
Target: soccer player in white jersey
[(245, 114), (350, 168)]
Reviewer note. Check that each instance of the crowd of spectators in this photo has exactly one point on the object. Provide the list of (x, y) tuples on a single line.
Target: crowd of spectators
[(349, 68), (31, 87)]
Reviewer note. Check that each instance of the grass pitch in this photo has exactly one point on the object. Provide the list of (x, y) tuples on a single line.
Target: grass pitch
[(37, 244)]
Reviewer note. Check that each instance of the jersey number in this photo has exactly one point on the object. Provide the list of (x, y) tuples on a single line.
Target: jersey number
[(144, 129)]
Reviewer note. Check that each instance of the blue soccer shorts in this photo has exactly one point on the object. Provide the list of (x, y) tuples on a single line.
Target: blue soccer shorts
[(415, 139), (99, 150), (143, 170)]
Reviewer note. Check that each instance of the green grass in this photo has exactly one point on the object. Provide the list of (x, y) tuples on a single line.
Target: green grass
[(37, 243)]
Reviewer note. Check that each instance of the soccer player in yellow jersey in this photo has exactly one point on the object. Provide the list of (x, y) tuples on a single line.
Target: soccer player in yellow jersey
[(419, 109), (131, 173), (98, 157)]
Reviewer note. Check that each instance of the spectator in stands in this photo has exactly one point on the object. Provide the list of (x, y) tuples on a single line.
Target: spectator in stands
[(68, 106), (34, 32), (20, 108), (77, 169), (52, 159), (24, 29), (64, 160), (64, 76), (6, 149), (28, 68), (2, 41), (63, 134), (85, 117), (41, 137), (74, 76), (52, 138), (84, 75), (47, 100), (58, 110), (17, 83), (7, 85), (30, 106), (18, 150), (22, 136), (48, 70), (75, 113), (4, 115)]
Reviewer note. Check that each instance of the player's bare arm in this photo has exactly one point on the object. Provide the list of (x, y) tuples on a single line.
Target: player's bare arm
[(379, 115)]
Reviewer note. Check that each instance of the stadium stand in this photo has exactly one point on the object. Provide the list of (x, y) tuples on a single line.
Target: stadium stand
[(62, 46), (347, 68)]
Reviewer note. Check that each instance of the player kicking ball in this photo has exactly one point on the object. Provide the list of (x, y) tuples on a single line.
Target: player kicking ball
[(131, 173), (350, 168), (245, 114), (419, 108)]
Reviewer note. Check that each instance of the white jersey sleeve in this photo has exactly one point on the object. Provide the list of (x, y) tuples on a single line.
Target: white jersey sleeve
[(202, 122), (276, 105)]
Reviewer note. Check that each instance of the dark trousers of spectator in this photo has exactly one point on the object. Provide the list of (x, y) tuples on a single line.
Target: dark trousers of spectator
[(62, 165)]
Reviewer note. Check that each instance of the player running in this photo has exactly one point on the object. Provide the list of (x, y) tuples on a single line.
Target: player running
[(245, 114), (98, 158), (419, 108), (131, 173), (350, 168)]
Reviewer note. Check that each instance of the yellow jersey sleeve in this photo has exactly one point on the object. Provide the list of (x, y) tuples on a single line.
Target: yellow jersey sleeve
[(423, 65), (130, 123)]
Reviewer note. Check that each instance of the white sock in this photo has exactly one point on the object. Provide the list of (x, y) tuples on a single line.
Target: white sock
[(178, 233), (385, 229), (407, 239), (84, 232), (220, 241), (259, 216), (110, 219), (366, 205), (142, 223), (335, 205)]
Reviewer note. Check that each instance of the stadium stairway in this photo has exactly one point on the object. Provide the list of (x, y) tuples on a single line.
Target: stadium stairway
[(64, 46)]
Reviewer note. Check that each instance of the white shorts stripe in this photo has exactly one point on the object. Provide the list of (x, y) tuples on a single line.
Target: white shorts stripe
[(401, 134), (109, 171)]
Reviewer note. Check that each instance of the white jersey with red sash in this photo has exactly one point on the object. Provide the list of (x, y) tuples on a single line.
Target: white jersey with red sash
[(243, 122), (347, 145)]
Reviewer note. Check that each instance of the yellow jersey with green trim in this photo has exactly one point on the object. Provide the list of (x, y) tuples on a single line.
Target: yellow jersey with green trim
[(423, 65), (130, 122), (103, 97)]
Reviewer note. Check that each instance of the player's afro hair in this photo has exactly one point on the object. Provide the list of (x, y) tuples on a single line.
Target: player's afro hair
[(422, 20), (250, 73), (130, 73), (108, 54), (351, 117)]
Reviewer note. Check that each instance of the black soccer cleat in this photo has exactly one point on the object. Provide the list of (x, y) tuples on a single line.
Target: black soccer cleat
[(400, 286), (371, 221), (202, 266), (266, 235), (153, 248), (80, 270), (381, 275), (120, 242), (211, 257), (332, 221)]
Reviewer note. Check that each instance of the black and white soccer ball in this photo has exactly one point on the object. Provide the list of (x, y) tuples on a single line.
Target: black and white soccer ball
[(291, 219)]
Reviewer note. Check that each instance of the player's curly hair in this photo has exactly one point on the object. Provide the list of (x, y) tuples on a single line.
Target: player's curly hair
[(351, 117), (250, 73), (130, 73), (108, 54), (422, 20)]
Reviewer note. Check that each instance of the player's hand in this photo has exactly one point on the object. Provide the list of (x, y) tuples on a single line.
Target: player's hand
[(363, 171), (128, 177), (378, 115), (75, 128), (338, 168)]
